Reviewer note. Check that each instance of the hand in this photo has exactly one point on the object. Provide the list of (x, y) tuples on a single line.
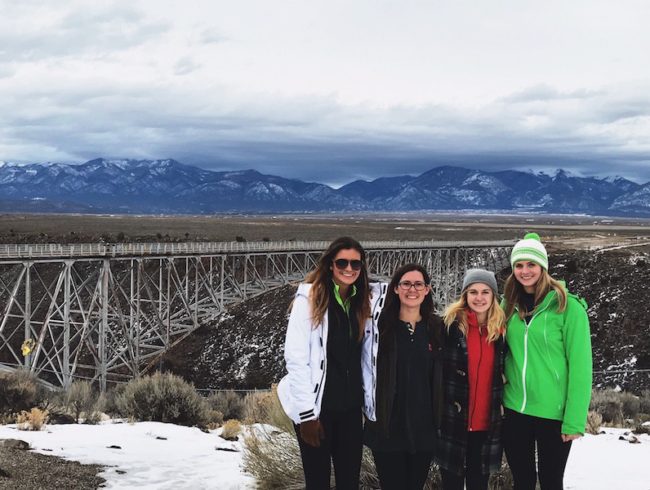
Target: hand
[(312, 432), (570, 437)]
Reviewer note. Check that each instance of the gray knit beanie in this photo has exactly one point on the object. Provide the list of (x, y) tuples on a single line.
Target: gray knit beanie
[(480, 275)]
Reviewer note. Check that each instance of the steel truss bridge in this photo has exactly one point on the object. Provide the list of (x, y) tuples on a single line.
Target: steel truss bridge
[(107, 312)]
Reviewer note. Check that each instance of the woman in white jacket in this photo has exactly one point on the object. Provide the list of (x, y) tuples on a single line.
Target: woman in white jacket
[(329, 351)]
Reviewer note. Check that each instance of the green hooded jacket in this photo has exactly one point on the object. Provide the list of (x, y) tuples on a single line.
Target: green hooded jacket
[(548, 366)]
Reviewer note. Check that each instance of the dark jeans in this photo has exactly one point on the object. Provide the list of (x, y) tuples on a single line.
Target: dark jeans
[(521, 433), (342, 445), (474, 477), (400, 470)]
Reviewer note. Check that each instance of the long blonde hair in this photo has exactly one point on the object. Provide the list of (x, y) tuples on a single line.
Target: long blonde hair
[(457, 311), (513, 293), (321, 284)]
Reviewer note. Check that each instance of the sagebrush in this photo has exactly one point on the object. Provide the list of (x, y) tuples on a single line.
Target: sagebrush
[(162, 397), (615, 407), (81, 399), (19, 391), (229, 403)]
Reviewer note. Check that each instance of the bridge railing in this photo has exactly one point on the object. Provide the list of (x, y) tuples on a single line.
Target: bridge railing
[(57, 250)]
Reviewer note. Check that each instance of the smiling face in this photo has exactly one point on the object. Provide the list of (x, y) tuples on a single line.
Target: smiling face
[(347, 276), (412, 296), (527, 274), (479, 298)]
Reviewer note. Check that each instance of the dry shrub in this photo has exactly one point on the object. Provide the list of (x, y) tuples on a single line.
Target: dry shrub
[(162, 398), (229, 403), (609, 405), (257, 406), (110, 400), (368, 477), (273, 458), (630, 405), (644, 402), (213, 419), (594, 421), (231, 429), (616, 406), (501, 480), (276, 415), (18, 391), (80, 398), (35, 419), (642, 429)]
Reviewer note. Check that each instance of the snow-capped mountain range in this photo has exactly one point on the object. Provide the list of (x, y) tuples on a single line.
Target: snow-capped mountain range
[(170, 187)]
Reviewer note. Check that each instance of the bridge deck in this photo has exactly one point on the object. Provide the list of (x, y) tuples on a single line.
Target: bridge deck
[(94, 250)]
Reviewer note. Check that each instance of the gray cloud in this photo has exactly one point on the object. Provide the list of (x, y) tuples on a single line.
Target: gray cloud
[(212, 36), (318, 139), (95, 30), (544, 92), (185, 65)]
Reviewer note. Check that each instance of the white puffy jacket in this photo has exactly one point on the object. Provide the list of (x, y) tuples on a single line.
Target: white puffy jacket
[(305, 352)]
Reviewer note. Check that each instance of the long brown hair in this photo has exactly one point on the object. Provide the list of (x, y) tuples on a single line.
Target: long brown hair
[(513, 293), (321, 284), (389, 318), (496, 319)]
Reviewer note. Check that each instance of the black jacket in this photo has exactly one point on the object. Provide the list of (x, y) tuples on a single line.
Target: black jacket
[(378, 434)]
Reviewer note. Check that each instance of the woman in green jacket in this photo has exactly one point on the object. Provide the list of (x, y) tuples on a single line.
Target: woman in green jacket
[(547, 368)]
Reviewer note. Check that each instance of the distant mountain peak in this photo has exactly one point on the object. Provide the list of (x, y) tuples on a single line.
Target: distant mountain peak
[(168, 186)]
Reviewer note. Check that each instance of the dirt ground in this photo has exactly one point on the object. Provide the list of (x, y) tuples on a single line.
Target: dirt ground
[(561, 231), (27, 470)]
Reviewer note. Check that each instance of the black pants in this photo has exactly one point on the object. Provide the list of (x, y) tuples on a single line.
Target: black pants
[(400, 470), (474, 477), (342, 445), (520, 435)]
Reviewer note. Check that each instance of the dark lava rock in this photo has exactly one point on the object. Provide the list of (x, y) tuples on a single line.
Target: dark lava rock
[(14, 444)]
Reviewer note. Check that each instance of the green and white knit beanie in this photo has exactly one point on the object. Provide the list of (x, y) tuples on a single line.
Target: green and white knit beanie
[(530, 249)]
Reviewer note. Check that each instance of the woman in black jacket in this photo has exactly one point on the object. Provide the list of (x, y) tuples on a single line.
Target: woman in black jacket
[(469, 447), (409, 374)]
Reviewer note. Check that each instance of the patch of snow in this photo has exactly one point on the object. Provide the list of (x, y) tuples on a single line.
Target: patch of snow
[(185, 459), (603, 462)]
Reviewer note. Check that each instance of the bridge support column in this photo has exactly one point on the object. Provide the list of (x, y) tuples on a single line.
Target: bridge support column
[(103, 324), (27, 360), (65, 360)]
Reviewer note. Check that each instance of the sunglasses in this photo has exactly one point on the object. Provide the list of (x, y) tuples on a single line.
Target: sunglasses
[(343, 264)]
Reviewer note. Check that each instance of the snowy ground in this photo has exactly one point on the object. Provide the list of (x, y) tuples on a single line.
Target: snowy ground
[(153, 455), (164, 456)]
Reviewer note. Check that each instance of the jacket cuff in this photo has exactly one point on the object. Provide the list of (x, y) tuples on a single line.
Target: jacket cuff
[(307, 415)]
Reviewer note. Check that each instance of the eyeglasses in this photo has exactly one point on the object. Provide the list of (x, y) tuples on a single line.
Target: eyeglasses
[(406, 285), (343, 264)]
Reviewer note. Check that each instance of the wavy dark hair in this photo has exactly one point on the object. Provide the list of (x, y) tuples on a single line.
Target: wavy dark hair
[(389, 318), (321, 280)]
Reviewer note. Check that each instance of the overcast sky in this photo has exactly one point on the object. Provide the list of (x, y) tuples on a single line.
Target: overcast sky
[(330, 91)]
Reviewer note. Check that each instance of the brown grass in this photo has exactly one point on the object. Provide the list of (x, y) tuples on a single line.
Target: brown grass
[(231, 429), (35, 419)]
